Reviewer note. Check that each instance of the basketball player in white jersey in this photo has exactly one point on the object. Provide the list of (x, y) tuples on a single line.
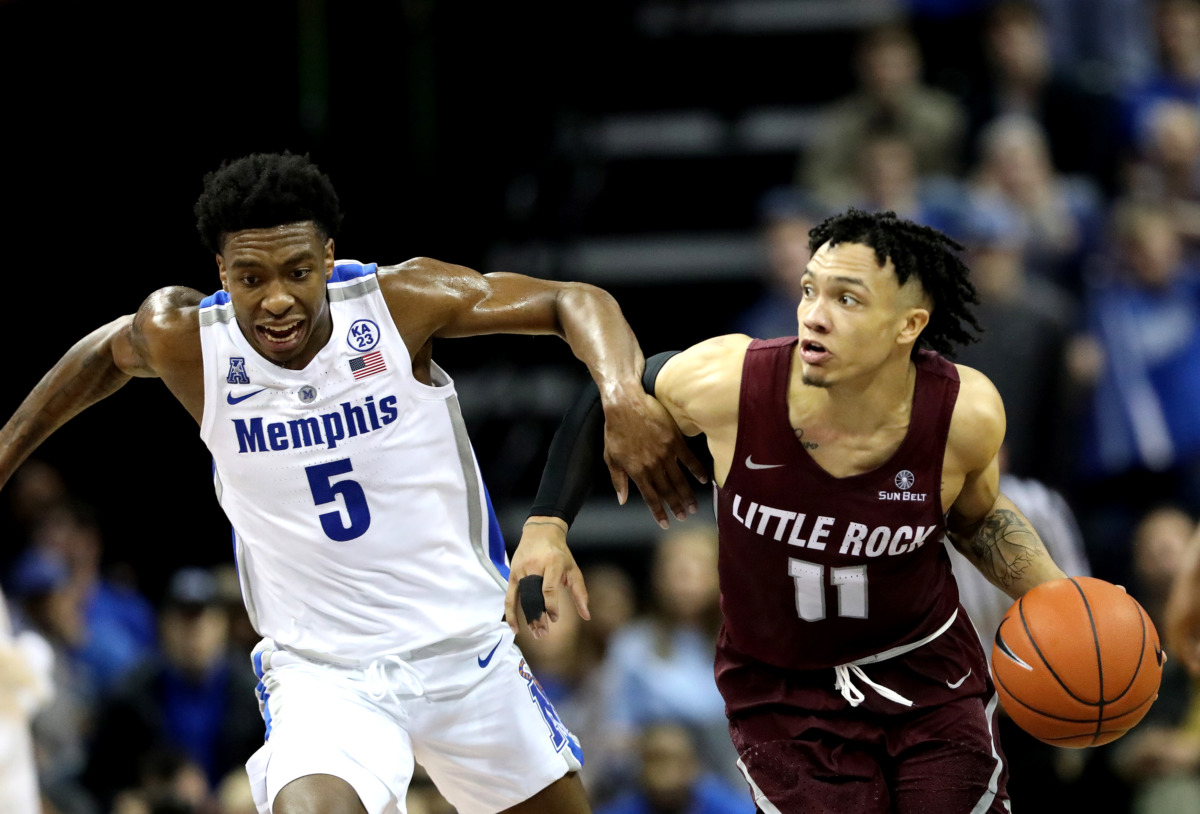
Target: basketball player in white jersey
[(369, 555)]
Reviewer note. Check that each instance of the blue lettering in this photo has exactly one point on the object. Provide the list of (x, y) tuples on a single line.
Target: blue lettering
[(323, 429), (305, 432), (277, 435), (250, 439), (334, 431), (387, 406), (355, 420)]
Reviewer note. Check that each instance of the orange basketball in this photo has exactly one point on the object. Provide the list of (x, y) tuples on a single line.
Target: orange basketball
[(1076, 662)]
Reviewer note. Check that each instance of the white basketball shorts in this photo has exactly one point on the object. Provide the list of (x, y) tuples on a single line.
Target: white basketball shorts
[(468, 710)]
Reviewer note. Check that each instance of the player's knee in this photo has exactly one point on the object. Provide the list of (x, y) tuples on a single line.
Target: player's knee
[(318, 794)]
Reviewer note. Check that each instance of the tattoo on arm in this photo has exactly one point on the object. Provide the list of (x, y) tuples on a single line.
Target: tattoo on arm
[(1004, 547)]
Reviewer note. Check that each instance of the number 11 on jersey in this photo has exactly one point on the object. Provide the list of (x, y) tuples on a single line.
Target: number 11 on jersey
[(850, 581)]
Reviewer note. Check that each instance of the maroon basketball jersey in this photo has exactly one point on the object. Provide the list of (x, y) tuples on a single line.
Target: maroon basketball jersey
[(818, 571)]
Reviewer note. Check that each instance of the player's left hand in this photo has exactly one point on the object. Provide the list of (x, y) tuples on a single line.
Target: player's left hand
[(642, 442), (543, 552)]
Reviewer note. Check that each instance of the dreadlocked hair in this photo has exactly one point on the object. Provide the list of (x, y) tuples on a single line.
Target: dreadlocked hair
[(919, 251), (263, 190)]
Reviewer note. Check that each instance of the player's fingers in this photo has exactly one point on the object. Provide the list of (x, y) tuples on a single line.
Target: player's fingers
[(510, 605), (681, 497), (694, 464), (654, 501), (551, 580), (620, 482), (575, 583)]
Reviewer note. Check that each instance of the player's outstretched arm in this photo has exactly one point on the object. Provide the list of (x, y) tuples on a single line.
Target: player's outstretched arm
[(95, 367), (692, 387), (429, 299), (983, 524)]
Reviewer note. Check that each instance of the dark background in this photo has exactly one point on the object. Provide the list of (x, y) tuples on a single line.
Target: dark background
[(449, 129)]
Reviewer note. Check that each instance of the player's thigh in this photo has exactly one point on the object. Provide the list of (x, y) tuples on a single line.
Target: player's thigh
[(320, 727), (500, 745), (564, 796), (318, 794), (949, 761), (797, 764)]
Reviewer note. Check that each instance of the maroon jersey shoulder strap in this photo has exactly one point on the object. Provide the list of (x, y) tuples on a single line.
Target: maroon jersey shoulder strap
[(762, 404)]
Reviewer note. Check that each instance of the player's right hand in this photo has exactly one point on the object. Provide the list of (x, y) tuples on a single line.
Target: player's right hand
[(543, 552), (642, 442)]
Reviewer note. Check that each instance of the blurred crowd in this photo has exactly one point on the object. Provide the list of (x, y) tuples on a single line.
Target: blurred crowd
[(1072, 181)]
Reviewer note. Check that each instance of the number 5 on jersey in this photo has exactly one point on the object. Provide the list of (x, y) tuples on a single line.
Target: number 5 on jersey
[(325, 490)]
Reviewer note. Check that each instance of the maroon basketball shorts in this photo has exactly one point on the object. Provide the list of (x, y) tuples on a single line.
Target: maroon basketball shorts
[(943, 759)]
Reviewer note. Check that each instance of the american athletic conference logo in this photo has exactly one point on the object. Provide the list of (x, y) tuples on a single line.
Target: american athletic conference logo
[(904, 480), (363, 335)]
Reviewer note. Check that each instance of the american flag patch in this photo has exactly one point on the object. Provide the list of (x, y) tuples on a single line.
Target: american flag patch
[(367, 365)]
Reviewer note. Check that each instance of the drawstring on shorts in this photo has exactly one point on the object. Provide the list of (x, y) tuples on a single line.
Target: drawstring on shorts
[(844, 674)]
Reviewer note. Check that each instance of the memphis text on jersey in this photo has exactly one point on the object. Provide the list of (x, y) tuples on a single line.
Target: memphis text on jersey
[(856, 539), (324, 429)]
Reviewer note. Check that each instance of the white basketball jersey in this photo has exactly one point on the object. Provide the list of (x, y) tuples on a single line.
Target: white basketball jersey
[(361, 523)]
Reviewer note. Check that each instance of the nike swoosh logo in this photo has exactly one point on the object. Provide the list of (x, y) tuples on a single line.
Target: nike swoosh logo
[(483, 662), (751, 465), (232, 399), (954, 685), (1006, 650)]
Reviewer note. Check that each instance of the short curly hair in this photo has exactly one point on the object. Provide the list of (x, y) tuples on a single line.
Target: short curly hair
[(919, 251), (263, 190)]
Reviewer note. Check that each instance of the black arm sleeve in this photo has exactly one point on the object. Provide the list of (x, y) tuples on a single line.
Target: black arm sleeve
[(567, 478)]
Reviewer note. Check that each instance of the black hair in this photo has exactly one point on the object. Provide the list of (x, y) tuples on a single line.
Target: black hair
[(915, 251), (263, 190)]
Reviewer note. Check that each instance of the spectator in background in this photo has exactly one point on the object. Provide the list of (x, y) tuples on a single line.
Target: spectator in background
[(892, 96), (120, 629), (35, 489), (1062, 215), (786, 215), (1079, 122), (1177, 36), (26, 686), (1141, 442), (190, 700), (671, 779), (1027, 322), (47, 602), (1159, 760), (889, 182), (660, 667), (168, 782), (1166, 168)]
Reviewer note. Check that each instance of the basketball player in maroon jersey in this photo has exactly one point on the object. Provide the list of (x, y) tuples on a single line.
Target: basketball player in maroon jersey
[(853, 679)]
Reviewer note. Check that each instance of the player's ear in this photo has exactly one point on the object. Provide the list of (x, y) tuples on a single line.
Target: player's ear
[(328, 258), (915, 320), (224, 274)]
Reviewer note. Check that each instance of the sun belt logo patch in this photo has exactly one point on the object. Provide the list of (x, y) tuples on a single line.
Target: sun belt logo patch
[(905, 479)]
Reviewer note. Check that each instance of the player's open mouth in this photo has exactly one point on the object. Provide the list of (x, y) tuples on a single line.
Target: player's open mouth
[(281, 337), (813, 352)]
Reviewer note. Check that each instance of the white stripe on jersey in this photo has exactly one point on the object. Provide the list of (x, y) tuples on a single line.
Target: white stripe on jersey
[(361, 523)]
